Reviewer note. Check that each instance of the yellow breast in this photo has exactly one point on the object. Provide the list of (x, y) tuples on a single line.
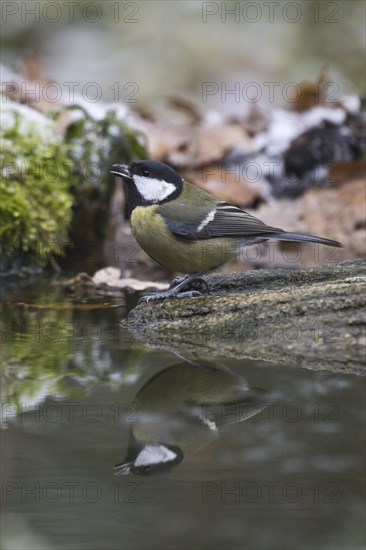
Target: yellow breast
[(152, 234)]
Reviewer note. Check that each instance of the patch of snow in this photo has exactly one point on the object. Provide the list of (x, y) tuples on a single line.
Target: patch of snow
[(285, 126)]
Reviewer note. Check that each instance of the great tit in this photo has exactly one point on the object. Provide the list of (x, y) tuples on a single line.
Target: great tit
[(186, 229), (181, 409)]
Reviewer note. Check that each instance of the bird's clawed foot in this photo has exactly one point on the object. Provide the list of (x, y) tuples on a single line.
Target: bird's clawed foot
[(177, 285), (168, 294)]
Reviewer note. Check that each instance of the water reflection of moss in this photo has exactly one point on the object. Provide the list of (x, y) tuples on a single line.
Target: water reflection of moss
[(35, 355), (63, 352)]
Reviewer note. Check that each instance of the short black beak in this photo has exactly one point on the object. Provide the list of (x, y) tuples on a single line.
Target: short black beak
[(123, 468), (122, 170)]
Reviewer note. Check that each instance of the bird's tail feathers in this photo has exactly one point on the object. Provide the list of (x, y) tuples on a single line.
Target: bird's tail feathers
[(287, 236)]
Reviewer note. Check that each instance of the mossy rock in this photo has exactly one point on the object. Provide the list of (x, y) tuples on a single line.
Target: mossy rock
[(55, 189), (35, 193), (314, 318)]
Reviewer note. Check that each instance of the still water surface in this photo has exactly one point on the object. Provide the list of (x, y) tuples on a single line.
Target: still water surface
[(212, 452)]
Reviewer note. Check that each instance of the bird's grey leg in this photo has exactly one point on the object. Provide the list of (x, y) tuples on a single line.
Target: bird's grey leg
[(175, 291), (179, 279)]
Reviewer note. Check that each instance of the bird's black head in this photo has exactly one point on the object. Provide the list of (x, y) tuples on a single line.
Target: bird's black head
[(148, 182)]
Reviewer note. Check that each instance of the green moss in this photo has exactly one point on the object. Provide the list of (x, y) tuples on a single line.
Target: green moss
[(35, 202), (44, 175)]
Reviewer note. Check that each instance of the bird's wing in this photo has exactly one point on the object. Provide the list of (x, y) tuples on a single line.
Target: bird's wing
[(224, 220)]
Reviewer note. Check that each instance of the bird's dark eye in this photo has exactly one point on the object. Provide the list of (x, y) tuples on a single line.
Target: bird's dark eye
[(146, 173)]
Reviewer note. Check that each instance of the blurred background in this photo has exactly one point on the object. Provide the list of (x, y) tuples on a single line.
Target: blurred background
[(172, 47)]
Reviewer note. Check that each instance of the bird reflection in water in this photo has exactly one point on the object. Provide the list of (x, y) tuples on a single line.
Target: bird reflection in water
[(181, 409)]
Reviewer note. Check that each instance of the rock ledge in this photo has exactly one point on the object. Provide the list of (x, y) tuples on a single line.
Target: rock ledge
[(312, 318)]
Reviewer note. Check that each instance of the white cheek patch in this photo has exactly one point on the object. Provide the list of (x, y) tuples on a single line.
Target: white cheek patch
[(209, 218), (153, 190), (154, 454)]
